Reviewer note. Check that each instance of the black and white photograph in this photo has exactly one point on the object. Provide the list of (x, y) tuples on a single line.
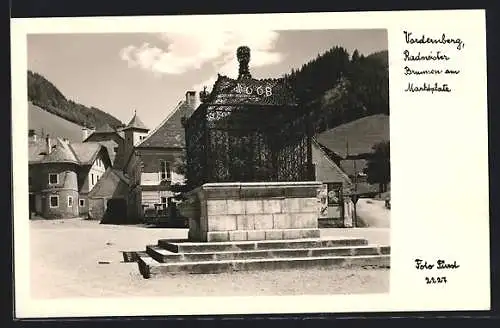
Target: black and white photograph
[(274, 163), (153, 155)]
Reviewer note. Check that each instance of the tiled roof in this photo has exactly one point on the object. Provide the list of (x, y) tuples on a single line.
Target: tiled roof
[(358, 136), (113, 183), (105, 128), (62, 152), (135, 123), (86, 151), (37, 149), (328, 171), (170, 132)]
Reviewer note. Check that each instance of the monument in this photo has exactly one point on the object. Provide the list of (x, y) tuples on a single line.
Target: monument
[(249, 162), (253, 201)]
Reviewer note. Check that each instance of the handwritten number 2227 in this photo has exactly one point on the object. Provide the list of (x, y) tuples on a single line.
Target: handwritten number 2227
[(438, 280)]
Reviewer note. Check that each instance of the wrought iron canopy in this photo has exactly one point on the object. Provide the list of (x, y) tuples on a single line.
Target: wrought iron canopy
[(248, 130)]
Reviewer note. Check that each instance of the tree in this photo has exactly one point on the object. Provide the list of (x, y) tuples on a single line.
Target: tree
[(378, 168), (180, 167), (355, 56)]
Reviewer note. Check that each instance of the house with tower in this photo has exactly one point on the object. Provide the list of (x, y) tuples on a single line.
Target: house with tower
[(61, 173), (152, 158)]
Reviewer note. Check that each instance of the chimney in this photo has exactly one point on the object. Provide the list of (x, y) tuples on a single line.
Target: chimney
[(48, 144), (86, 132), (32, 134)]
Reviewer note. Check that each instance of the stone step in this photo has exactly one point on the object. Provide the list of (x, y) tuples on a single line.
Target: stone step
[(149, 267), (162, 255), (184, 246)]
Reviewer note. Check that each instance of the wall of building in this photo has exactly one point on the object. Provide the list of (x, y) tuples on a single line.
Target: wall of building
[(132, 139), (329, 173), (66, 186), (151, 165), (91, 174), (83, 209), (138, 136), (97, 208), (63, 210), (152, 197), (146, 187)]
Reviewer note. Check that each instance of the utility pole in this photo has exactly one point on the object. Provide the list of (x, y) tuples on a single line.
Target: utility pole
[(354, 197)]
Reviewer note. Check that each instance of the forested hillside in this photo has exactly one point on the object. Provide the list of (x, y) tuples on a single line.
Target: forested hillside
[(339, 88), (45, 95)]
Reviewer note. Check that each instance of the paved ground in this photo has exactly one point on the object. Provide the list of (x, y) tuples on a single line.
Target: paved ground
[(66, 256), (373, 213)]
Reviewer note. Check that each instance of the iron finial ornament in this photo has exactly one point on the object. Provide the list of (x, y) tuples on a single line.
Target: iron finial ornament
[(243, 55)]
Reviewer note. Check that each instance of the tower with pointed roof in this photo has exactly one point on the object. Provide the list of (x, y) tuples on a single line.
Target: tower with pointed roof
[(135, 132)]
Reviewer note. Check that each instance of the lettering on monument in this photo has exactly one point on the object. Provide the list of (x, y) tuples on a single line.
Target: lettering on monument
[(260, 90)]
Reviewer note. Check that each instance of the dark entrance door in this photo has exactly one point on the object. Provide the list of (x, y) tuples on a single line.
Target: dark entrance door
[(116, 210)]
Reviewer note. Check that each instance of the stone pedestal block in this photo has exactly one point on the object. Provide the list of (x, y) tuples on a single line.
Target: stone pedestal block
[(253, 211)]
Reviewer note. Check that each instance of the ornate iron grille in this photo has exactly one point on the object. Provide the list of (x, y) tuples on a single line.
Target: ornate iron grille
[(196, 146), (248, 130), (250, 143)]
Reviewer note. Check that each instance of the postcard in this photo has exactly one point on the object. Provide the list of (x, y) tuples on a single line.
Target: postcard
[(250, 164)]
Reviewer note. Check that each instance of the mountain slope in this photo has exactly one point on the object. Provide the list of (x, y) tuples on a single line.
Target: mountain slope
[(45, 95), (44, 122), (382, 56), (338, 87), (359, 135)]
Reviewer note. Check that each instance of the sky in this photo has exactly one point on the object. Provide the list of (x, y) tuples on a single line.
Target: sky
[(150, 73)]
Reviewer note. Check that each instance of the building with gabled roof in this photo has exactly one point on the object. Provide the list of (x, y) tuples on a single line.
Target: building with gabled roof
[(108, 198), (152, 158), (62, 173), (110, 138)]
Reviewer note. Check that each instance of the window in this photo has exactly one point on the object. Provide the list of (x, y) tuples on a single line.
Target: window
[(54, 201), (164, 171), (92, 178), (53, 178), (82, 202), (70, 201), (163, 202), (98, 178)]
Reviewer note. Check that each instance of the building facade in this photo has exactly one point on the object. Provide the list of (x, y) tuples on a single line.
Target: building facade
[(152, 161), (60, 175), (108, 199), (336, 184)]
